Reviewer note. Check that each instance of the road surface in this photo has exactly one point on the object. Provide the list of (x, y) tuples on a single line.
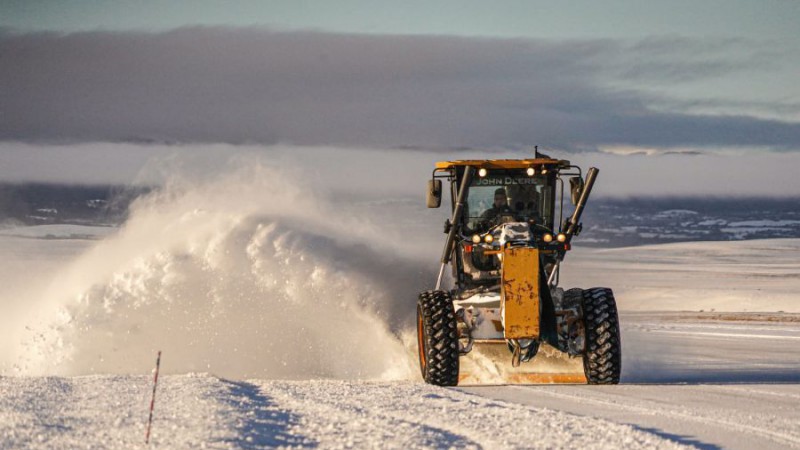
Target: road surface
[(699, 379)]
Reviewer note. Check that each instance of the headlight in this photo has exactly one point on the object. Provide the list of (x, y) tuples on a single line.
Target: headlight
[(547, 237), (488, 238), (481, 172), (531, 171), (561, 237), (476, 239)]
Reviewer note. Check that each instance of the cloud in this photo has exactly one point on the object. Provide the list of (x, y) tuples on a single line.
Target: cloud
[(252, 85), (675, 59), (358, 174)]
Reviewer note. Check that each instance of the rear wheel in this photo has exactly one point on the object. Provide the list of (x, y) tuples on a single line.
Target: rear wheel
[(437, 337), (602, 361)]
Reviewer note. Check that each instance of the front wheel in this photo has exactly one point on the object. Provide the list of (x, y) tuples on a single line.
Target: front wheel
[(602, 361), (437, 338)]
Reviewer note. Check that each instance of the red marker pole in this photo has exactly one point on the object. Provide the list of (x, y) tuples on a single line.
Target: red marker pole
[(153, 399)]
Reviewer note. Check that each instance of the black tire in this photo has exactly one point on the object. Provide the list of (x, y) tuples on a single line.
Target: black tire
[(437, 338), (602, 361)]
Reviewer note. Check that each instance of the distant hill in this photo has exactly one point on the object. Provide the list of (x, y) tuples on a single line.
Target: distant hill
[(607, 222), (642, 221), (37, 203)]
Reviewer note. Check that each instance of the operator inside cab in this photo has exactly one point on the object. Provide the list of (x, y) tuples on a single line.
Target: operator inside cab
[(499, 207)]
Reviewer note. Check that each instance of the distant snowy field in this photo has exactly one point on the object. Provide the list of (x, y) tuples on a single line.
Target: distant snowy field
[(737, 276), (705, 364), (57, 232)]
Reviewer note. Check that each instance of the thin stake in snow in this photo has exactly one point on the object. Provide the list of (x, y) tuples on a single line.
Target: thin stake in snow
[(153, 399)]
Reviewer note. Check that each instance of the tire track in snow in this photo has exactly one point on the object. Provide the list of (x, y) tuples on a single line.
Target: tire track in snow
[(753, 390)]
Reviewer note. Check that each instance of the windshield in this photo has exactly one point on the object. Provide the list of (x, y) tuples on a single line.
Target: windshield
[(507, 196)]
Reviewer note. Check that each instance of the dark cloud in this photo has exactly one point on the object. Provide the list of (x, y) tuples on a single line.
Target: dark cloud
[(241, 85)]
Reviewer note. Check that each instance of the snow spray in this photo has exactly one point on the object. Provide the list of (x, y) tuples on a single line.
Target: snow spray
[(153, 399), (249, 273)]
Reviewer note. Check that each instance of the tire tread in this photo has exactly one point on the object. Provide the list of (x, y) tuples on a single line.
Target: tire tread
[(441, 338), (602, 361)]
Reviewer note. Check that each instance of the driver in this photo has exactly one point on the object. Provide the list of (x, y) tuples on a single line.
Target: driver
[(499, 208)]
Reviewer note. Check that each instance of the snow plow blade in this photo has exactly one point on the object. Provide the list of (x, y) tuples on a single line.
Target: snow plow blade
[(489, 363)]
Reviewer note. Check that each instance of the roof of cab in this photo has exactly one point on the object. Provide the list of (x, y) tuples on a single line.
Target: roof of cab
[(501, 163)]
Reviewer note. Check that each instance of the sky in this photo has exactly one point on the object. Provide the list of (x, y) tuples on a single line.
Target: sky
[(620, 77), (770, 19)]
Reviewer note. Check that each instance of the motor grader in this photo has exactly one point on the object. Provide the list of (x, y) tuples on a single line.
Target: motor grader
[(504, 318)]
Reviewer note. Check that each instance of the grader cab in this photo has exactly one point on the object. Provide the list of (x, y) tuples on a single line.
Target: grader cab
[(503, 318)]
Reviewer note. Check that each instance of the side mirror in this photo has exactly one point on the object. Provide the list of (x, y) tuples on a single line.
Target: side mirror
[(434, 194), (575, 188)]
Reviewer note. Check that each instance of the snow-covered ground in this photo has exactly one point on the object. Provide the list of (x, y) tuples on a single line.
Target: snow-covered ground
[(305, 339), (725, 386), (756, 275), (693, 379), (706, 416), (59, 232), (203, 411), (705, 379)]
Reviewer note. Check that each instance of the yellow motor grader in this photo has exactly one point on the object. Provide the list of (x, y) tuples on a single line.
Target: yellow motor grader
[(505, 319)]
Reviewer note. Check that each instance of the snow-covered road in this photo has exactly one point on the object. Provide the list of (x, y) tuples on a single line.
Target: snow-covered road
[(202, 411), (743, 416), (707, 383), (688, 380)]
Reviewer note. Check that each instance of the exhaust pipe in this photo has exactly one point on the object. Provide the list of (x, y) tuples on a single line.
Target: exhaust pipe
[(574, 221)]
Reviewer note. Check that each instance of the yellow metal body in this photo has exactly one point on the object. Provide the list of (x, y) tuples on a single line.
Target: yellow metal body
[(489, 362), (519, 294)]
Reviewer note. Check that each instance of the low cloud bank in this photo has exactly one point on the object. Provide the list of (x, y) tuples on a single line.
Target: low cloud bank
[(252, 85), (380, 173)]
